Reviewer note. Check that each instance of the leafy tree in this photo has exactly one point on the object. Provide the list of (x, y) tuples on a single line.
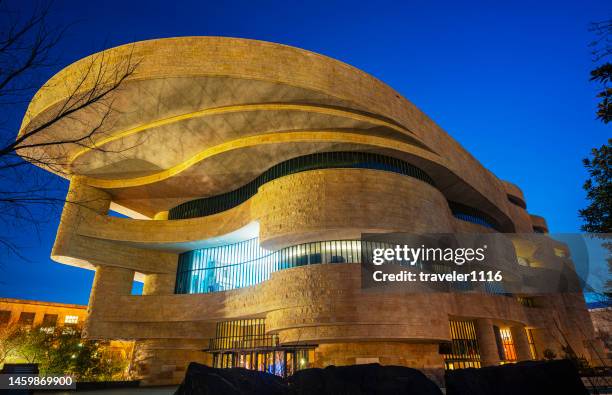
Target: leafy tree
[(549, 354), (62, 351), (597, 216), (9, 342), (603, 75), (601, 49)]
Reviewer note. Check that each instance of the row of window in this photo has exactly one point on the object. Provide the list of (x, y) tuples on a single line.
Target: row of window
[(281, 361), (322, 160), (27, 318), (245, 344), (245, 264), (234, 346), (470, 214), (463, 350)]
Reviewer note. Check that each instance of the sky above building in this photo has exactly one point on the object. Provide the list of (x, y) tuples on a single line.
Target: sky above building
[(508, 80)]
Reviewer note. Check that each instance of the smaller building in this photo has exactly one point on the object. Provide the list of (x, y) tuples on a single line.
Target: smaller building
[(35, 313), (48, 316)]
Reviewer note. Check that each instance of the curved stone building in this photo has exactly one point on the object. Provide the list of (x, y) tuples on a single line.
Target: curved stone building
[(246, 172)]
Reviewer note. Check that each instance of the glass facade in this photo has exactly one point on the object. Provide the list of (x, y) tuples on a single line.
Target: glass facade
[(463, 351), (245, 263), (245, 344), (323, 160)]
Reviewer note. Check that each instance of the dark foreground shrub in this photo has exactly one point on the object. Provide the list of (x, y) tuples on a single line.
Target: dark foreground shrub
[(203, 380), (362, 379), (524, 378), (343, 380)]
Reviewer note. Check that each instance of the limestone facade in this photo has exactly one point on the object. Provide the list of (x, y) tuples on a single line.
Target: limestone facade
[(202, 116)]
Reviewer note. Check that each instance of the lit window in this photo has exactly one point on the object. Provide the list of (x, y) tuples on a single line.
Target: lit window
[(507, 344), (71, 319), (532, 346), (68, 331)]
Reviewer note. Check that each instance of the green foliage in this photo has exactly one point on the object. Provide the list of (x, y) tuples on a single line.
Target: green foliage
[(603, 75), (601, 49), (579, 361), (597, 216), (62, 351), (549, 354)]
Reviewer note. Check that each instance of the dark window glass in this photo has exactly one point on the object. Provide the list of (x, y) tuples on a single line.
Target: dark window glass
[(5, 317), (27, 318), (470, 214), (49, 320)]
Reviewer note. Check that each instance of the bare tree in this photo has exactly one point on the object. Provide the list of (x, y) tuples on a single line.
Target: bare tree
[(28, 54)]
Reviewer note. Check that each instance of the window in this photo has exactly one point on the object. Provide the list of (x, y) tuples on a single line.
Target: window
[(244, 334), (526, 301), (473, 215), (5, 317), (505, 344), (532, 347), (26, 318), (245, 344), (71, 319), (49, 320), (517, 201), (462, 352)]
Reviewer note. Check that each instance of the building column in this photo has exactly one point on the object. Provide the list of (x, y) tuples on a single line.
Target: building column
[(164, 361), (489, 355), (83, 203), (109, 282), (159, 284), (521, 343)]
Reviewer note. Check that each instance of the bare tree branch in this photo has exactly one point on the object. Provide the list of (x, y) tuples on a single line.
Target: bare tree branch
[(28, 51)]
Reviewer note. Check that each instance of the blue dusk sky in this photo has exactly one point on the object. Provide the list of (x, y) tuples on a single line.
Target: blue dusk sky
[(508, 80)]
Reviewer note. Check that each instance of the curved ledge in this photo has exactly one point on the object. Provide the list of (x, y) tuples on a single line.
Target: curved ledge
[(270, 138), (323, 160), (294, 208), (307, 108)]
